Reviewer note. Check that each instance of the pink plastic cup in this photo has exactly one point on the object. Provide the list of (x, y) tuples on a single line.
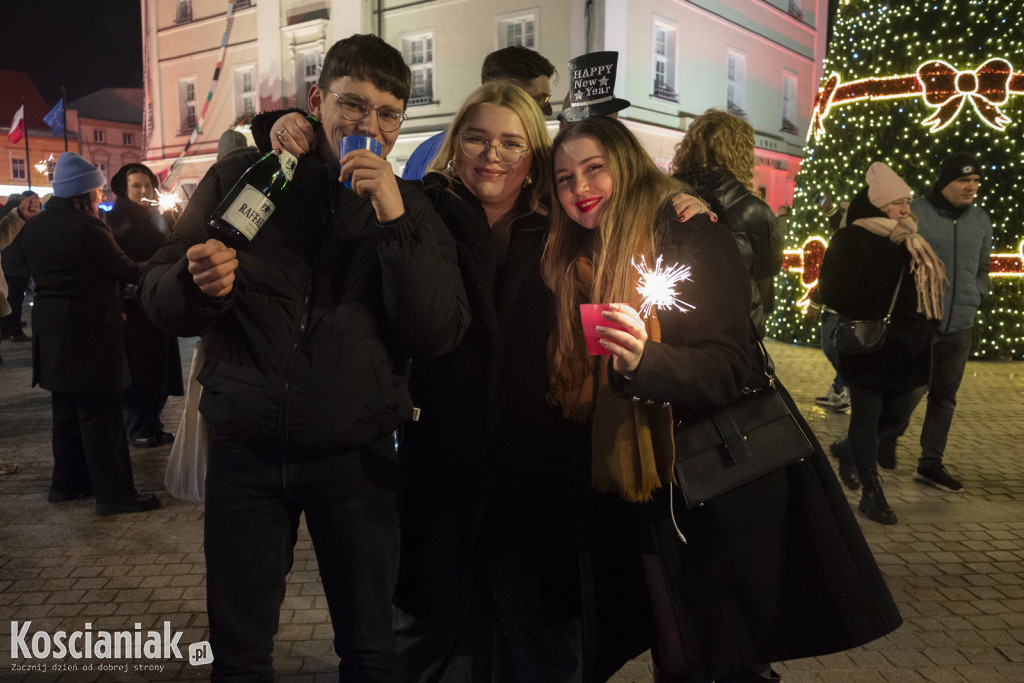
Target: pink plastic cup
[(590, 315)]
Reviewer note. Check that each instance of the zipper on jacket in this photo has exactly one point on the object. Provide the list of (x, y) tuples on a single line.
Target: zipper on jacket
[(292, 359)]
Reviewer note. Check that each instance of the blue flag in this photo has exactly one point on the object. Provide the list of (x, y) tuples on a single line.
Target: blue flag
[(55, 119)]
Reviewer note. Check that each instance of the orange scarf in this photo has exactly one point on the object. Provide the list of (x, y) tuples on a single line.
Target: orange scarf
[(633, 450)]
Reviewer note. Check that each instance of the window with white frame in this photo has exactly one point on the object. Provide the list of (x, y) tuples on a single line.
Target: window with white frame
[(418, 50), (186, 104), (789, 90), (183, 12), (794, 9), (18, 167), (245, 91), (97, 135), (663, 62), (519, 28), (127, 139), (736, 84), (308, 64)]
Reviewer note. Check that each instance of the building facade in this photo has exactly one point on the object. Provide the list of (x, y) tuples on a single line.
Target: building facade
[(109, 127), (757, 58)]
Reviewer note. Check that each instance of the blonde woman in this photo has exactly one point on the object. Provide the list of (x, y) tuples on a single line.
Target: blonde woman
[(716, 158)]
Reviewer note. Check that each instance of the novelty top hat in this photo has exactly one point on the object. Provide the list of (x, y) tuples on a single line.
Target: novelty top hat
[(591, 87)]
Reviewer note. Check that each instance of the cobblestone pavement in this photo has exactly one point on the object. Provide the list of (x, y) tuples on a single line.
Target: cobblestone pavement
[(955, 563)]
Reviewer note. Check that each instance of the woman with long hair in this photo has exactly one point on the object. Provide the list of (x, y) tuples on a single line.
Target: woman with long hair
[(775, 569), (77, 347)]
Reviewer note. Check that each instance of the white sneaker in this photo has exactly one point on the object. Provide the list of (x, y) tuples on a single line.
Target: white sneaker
[(844, 401), (837, 402)]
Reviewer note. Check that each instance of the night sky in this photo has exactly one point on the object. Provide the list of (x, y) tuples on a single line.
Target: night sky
[(84, 45)]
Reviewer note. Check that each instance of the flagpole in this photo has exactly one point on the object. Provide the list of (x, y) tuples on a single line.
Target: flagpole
[(64, 113), (28, 163)]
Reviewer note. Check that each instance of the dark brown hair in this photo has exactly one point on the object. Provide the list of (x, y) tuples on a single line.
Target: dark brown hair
[(368, 58)]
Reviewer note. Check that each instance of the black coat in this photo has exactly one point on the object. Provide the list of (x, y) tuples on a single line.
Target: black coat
[(309, 350), (774, 570), (153, 355), (77, 340), (859, 273), (492, 472), (756, 229)]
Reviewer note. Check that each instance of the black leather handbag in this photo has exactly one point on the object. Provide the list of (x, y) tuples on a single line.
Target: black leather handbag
[(860, 337), (720, 449)]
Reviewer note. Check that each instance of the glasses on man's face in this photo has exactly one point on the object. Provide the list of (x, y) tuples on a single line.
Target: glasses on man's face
[(509, 152), (356, 108), (542, 100)]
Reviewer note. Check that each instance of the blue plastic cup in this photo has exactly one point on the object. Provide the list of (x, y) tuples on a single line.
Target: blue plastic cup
[(350, 143)]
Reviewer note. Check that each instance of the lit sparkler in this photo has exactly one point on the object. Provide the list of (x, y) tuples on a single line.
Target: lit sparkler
[(657, 286), (165, 201)]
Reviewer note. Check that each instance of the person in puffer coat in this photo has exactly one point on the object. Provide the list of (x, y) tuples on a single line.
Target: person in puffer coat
[(308, 332)]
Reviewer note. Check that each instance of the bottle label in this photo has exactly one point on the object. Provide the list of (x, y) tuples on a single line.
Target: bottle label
[(249, 211), (288, 162)]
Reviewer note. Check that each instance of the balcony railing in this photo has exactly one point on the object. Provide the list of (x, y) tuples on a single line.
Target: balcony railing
[(663, 92)]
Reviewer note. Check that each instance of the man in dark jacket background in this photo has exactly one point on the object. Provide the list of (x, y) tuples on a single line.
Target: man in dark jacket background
[(307, 336)]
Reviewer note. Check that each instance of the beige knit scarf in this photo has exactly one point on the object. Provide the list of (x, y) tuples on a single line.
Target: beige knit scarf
[(927, 268)]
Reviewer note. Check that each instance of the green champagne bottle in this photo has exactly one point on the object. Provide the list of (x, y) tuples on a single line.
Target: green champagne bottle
[(250, 203)]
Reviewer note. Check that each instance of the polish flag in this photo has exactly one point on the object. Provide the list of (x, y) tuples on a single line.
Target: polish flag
[(17, 126)]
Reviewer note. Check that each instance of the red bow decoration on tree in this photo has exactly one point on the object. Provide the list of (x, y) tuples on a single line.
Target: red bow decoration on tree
[(946, 88)]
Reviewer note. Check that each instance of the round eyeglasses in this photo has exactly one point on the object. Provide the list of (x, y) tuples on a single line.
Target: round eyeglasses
[(356, 108), (509, 152)]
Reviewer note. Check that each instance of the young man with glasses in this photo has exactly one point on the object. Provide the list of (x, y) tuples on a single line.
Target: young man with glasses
[(307, 336), (527, 68)]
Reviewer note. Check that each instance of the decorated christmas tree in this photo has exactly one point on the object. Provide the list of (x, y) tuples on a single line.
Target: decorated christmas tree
[(908, 83)]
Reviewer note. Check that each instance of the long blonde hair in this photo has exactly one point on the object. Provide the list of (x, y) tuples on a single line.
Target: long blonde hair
[(717, 139), (510, 96), (626, 231)]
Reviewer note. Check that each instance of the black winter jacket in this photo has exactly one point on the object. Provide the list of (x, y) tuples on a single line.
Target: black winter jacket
[(753, 225), (492, 470), (77, 342), (858, 277), (309, 350)]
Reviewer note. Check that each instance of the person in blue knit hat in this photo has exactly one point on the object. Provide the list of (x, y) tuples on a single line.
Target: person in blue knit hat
[(78, 346)]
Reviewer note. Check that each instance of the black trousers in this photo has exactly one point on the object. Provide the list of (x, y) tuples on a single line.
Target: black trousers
[(90, 449), (253, 502)]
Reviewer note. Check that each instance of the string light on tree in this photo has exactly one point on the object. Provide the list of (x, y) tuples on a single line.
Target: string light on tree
[(908, 84)]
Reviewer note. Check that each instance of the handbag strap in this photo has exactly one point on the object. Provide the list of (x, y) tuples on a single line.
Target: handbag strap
[(892, 304)]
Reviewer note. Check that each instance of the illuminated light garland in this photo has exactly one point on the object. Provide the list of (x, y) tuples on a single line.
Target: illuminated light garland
[(943, 87), (807, 261)]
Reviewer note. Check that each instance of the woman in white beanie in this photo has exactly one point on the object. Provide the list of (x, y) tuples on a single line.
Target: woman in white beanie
[(879, 261), (77, 343)]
